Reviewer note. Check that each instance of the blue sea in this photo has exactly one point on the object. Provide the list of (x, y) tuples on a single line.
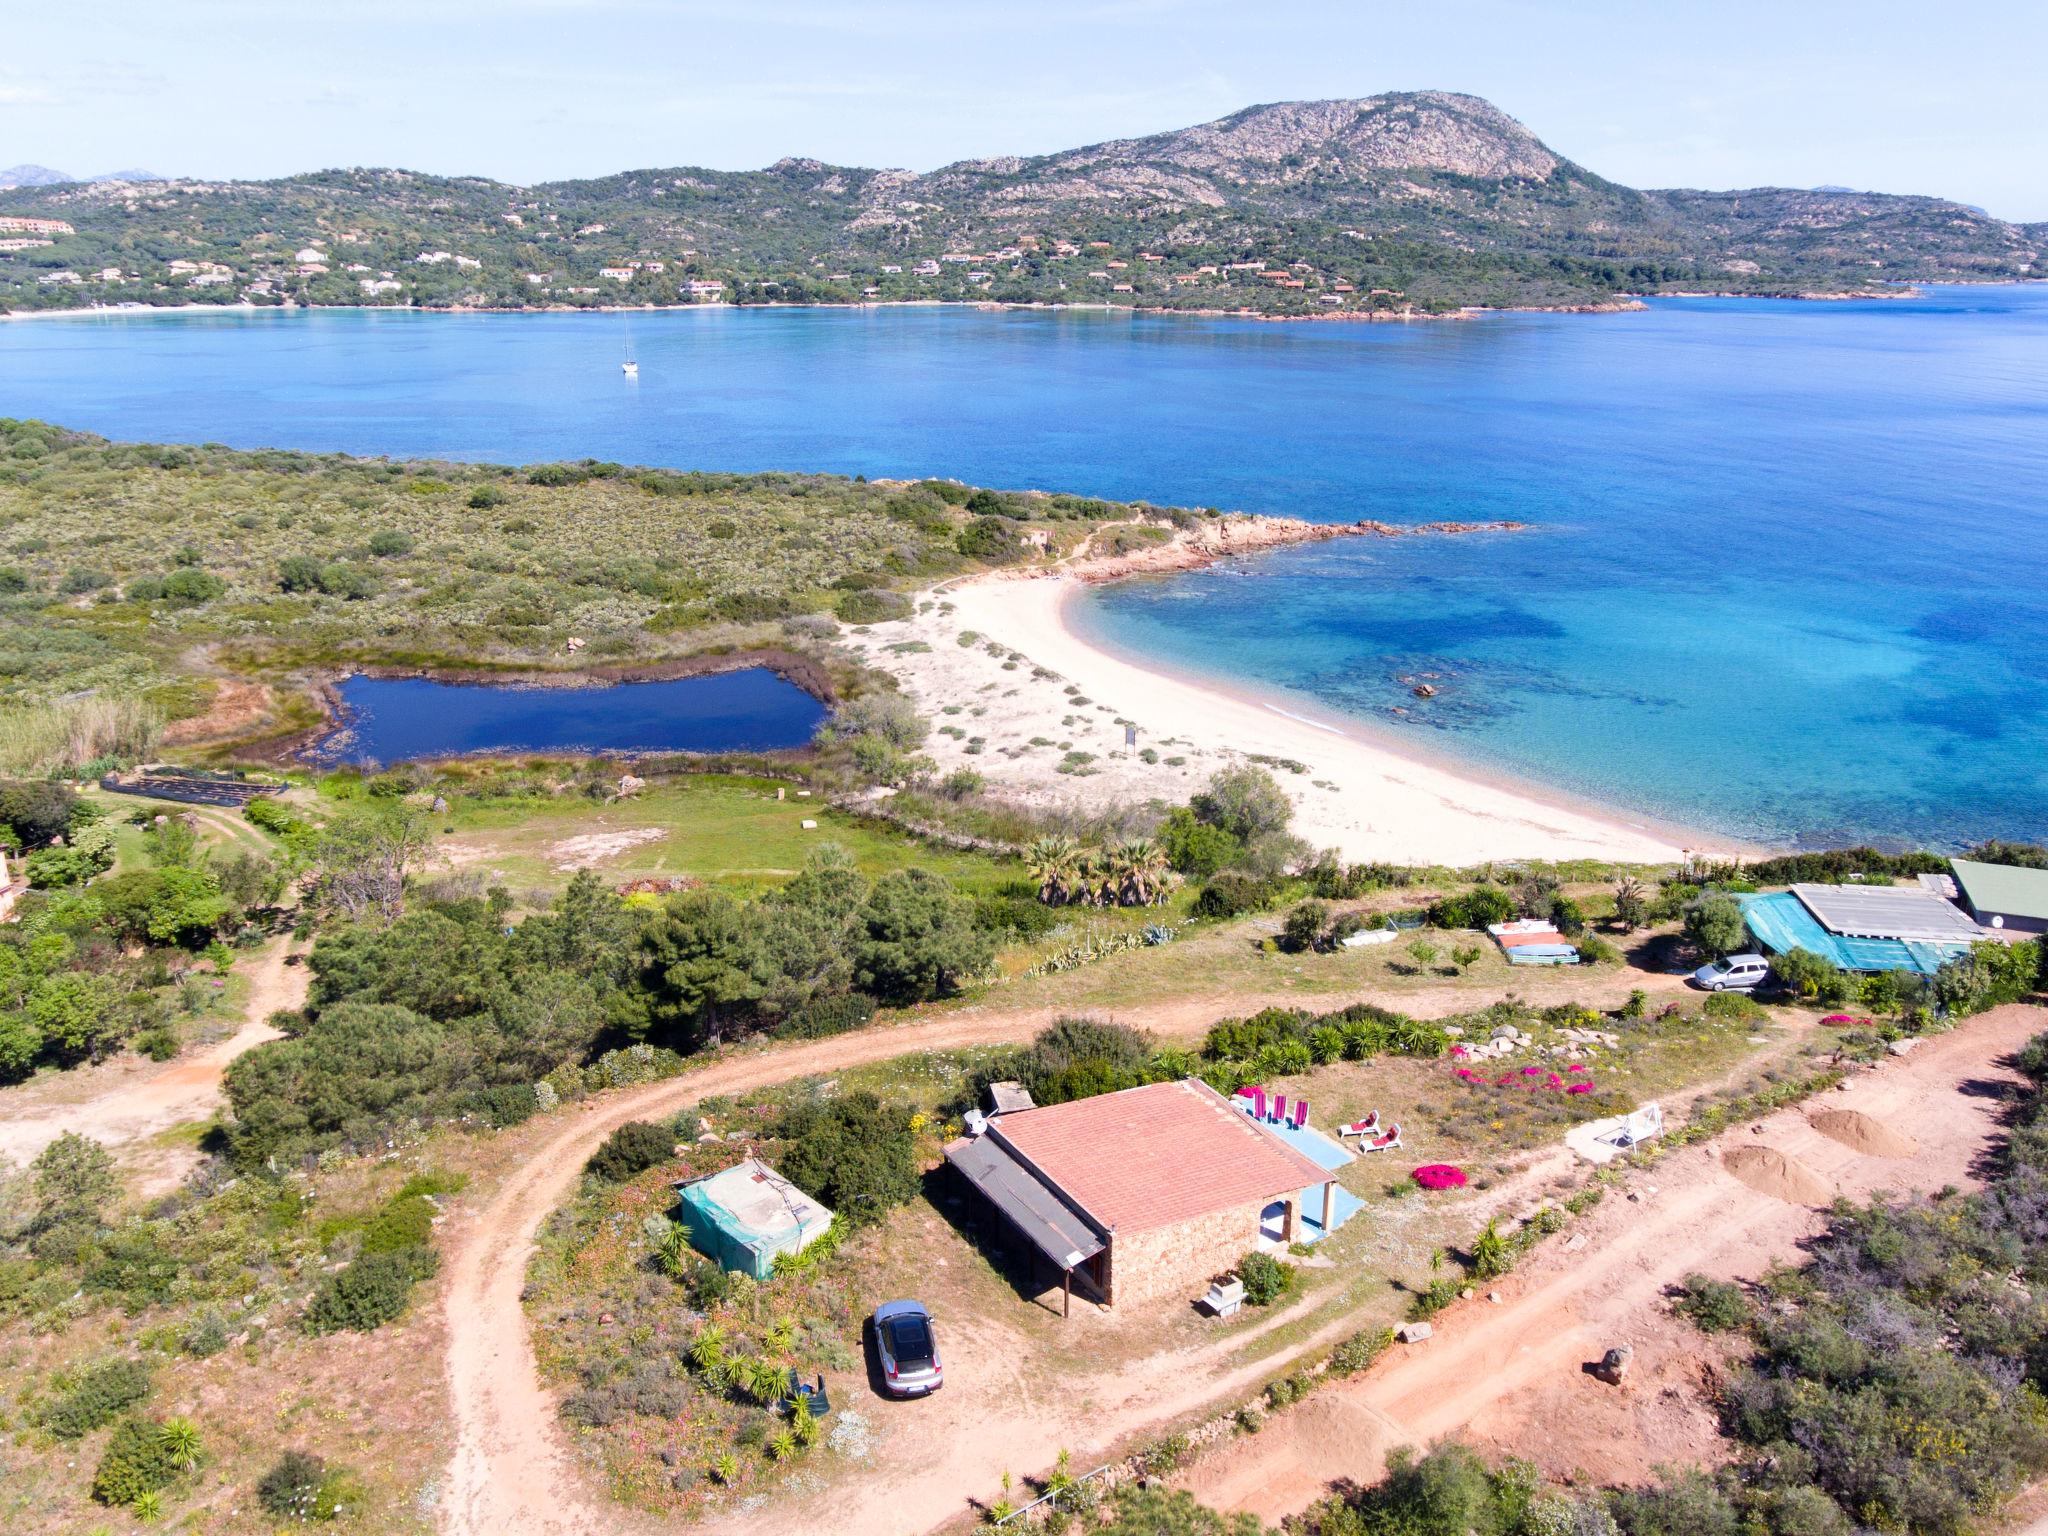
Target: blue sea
[(1787, 582)]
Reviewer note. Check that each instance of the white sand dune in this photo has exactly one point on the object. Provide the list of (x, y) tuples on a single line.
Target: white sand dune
[(1356, 794)]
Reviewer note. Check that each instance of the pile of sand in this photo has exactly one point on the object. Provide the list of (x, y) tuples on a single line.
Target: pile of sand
[(1857, 1131), (1774, 1174)]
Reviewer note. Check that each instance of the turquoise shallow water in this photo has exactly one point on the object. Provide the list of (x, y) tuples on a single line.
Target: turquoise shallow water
[(1789, 580)]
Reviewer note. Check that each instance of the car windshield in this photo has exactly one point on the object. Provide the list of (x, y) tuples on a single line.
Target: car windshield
[(910, 1339)]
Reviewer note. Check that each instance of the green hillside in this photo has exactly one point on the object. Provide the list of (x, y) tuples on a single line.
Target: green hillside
[(1426, 201)]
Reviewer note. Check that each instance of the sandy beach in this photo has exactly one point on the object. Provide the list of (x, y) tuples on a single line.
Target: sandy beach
[(1015, 691)]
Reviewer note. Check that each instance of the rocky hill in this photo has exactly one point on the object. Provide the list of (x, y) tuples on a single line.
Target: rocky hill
[(1402, 203)]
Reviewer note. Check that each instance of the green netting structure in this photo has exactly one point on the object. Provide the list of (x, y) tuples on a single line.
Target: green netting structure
[(742, 1218)]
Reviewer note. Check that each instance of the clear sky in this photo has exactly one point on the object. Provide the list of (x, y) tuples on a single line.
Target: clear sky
[(1878, 94)]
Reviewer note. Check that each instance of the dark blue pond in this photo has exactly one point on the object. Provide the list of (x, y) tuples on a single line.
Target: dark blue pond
[(393, 720)]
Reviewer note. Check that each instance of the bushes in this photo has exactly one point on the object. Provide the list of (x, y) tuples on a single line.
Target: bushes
[(96, 1397), (1990, 975), (1713, 1306), (1078, 1058), (829, 1015), (872, 606), (1477, 908), (1714, 924), (1303, 929), (1231, 894), (373, 1290), (852, 1153), (630, 1151), (193, 587), (1813, 978), (142, 1458), (300, 1486), (1265, 1278), (992, 540)]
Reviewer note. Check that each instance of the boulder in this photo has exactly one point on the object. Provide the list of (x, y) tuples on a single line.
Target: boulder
[(1413, 1333), (1614, 1365)]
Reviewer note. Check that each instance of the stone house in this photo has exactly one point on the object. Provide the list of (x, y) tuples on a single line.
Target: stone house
[(1146, 1193)]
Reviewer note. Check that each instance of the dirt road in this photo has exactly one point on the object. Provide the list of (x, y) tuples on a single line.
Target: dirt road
[(133, 1099), (1510, 1376), (512, 1471)]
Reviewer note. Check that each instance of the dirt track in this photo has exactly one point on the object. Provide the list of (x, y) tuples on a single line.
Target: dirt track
[(1510, 1376), (134, 1099), (512, 1470)]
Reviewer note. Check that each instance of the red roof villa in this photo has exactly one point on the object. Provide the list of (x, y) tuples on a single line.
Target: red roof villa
[(1145, 1193)]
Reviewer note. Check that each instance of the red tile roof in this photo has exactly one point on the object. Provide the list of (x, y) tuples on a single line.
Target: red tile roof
[(1156, 1155)]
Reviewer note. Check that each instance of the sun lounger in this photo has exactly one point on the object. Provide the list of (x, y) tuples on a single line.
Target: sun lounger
[(1279, 1108), (1366, 1127), (1300, 1113), (1386, 1141)]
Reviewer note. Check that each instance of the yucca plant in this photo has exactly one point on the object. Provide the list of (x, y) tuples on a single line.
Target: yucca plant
[(784, 1446), (707, 1350), (726, 1468), (180, 1439)]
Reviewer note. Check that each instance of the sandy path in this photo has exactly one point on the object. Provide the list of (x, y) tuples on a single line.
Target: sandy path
[(1510, 1376), (133, 1107), (1358, 794)]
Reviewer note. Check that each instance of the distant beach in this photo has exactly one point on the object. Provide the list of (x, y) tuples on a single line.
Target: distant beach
[(1352, 793)]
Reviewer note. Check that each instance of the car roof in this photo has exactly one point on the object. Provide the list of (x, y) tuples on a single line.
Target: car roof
[(890, 1310)]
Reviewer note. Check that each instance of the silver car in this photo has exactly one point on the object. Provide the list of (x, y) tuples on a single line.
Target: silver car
[(1737, 973), (908, 1351)]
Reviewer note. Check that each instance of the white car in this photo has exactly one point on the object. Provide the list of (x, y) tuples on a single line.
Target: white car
[(1737, 973)]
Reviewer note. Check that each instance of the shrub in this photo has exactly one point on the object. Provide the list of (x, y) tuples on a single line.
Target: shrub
[(1714, 924), (97, 1397), (1813, 978), (139, 1459), (401, 1224), (1265, 1278), (631, 1150), (1304, 927), (1360, 1350), (853, 1153), (370, 1292), (1713, 1306), (1233, 895), (193, 587), (1475, 909), (871, 607), (387, 542), (991, 539), (1078, 1058), (826, 1016), (292, 1488), (485, 497), (1194, 847)]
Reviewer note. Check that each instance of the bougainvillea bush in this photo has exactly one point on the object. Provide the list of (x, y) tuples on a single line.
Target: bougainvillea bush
[(1440, 1176)]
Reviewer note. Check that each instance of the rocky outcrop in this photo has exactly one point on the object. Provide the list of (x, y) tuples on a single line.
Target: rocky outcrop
[(1241, 533)]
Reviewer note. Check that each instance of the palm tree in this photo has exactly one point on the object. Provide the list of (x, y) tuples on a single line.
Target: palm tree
[(1142, 872), (1052, 862), (1630, 905)]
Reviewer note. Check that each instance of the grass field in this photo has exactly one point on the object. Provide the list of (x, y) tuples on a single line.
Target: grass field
[(715, 828)]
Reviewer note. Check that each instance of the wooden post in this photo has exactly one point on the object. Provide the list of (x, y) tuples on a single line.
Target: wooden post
[(1066, 1292), (1329, 1205)]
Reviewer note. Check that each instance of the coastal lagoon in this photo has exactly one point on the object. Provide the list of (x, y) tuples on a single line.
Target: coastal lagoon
[(398, 719), (1787, 580)]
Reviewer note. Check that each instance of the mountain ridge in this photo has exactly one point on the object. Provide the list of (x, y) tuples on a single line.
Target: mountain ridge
[(1404, 202)]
